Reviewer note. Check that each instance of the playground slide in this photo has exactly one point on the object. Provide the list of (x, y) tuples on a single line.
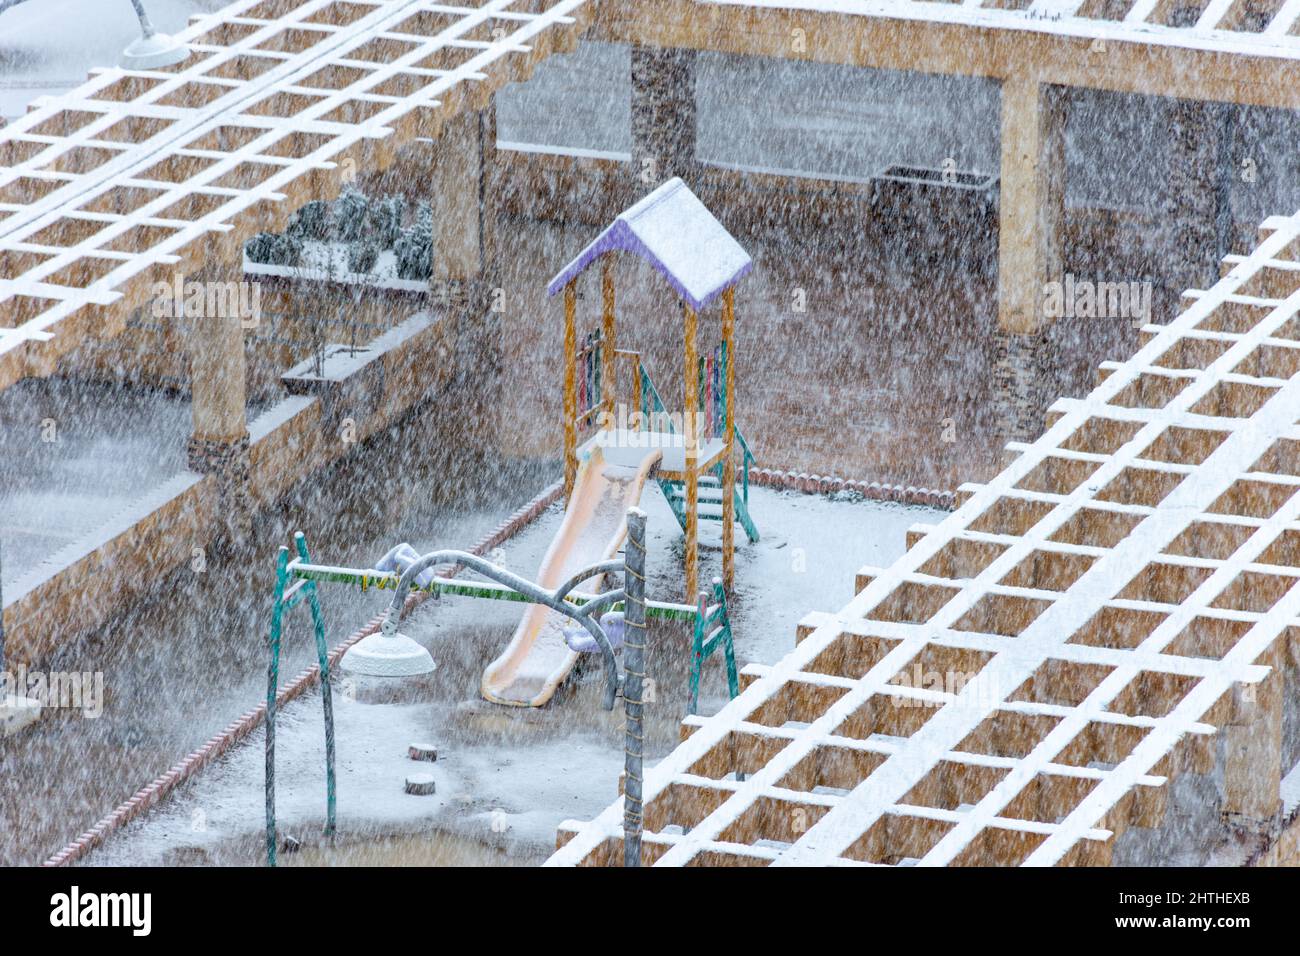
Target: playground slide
[(537, 658)]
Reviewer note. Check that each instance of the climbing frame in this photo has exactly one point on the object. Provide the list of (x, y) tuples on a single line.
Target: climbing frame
[(1021, 687)]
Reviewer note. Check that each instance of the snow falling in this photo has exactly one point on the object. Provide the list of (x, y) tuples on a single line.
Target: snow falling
[(977, 372)]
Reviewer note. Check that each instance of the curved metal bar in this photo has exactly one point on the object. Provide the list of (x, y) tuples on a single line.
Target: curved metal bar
[(608, 567), (534, 592), (602, 600)]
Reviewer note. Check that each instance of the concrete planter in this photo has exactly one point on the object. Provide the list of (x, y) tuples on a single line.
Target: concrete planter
[(357, 385)]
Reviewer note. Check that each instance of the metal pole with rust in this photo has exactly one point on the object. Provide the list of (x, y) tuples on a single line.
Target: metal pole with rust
[(633, 682)]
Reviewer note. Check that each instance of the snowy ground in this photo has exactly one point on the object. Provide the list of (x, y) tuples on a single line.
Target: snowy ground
[(71, 457), (506, 778)]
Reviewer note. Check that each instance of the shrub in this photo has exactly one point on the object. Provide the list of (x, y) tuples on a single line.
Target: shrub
[(362, 256), (350, 214), (312, 221), (415, 250), (273, 249), (386, 220)]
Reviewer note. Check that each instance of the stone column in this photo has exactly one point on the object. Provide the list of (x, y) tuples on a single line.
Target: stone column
[(218, 392), (663, 116), (1032, 206), (1194, 197)]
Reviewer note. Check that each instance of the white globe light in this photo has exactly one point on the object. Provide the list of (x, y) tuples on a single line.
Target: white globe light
[(153, 52), (380, 656)]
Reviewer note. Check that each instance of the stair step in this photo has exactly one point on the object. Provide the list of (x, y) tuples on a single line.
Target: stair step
[(703, 494)]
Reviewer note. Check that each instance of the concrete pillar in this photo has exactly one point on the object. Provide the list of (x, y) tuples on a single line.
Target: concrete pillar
[(1196, 196), (459, 193), (1032, 210), (218, 390), (663, 116)]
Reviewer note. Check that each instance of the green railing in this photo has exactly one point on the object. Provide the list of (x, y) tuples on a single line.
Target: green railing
[(654, 411)]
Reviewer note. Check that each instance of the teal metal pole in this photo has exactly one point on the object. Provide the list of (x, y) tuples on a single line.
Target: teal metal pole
[(697, 652), (728, 647), (327, 698)]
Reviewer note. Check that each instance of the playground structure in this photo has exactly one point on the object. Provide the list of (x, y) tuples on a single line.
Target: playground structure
[(84, 260), (672, 230), (606, 475)]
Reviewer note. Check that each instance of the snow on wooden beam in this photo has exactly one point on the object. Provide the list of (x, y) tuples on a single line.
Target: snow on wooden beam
[(279, 103), (1236, 62)]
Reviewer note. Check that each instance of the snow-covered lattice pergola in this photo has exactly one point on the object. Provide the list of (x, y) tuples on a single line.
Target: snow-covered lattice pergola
[(1113, 602), (138, 175)]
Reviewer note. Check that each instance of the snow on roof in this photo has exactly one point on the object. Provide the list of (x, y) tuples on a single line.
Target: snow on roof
[(678, 235), (1112, 603)]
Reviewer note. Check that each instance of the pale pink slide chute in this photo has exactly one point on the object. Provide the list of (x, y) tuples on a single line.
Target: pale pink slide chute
[(537, 659)]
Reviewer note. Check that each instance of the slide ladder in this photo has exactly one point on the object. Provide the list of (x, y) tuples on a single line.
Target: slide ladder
[(709, 492)]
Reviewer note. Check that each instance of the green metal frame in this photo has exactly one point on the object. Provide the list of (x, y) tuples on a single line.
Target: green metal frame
[(675, 491), (288, 595), (712, 631), (387, 581)]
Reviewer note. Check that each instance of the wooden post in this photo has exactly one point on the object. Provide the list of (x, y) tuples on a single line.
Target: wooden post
[(1032, 201), (729, 436), (609, 371), (663, 115), (217, 383), (455, 184), (570, 386), (1252, 748), (690, 418)]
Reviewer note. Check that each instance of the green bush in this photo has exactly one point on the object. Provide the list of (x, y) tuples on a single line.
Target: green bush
[(270, 248), (350, 215), (362, 256), (386, 220), (312, 221), (415, 250)]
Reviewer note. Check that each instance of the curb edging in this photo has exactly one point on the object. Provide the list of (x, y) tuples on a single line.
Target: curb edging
[(811, 484)]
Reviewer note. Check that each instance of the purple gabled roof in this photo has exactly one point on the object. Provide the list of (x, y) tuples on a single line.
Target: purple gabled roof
[(678, 235)]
